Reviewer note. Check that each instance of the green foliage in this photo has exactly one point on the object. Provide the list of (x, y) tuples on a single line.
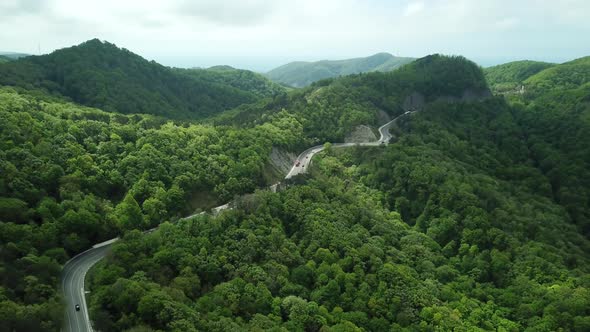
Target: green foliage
[(508, 77), (569, 75), (453, 227), (72, 176), (101, 75), (330, 109), (554, 112), (244, 80), (475, 219), (301, 74)]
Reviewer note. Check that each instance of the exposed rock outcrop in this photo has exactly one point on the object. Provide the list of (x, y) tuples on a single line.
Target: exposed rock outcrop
[(281, 160), (361, 134)]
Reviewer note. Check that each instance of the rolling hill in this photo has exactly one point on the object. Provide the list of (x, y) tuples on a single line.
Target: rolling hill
[(300, 74), (568, 75), (99, 74), (509, 76), (240, 79), (333, 107), (538, 79)]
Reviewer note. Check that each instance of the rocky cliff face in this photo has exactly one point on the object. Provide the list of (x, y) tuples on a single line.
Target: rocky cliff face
[(361, 134), (281, 160)]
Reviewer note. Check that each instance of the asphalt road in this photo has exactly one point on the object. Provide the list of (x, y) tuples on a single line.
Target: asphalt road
[(75, 270), (72, 284), (304, 159)]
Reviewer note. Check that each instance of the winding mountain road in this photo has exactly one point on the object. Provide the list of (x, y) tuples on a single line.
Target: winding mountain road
[(72, 284), (304, 159), (74, 271)]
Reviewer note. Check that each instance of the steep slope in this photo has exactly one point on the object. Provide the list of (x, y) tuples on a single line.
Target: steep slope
[(244, 80), (300, 74), (554, 110), (101, 75), (509, 77)]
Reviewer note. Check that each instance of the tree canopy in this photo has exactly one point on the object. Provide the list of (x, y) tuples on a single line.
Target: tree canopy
[(475, 218), (99, 74)]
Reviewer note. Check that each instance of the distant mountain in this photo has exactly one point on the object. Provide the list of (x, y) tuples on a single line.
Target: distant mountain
[(240, 79), (510, 76), (13, 55), (100, 74), (300, 74)]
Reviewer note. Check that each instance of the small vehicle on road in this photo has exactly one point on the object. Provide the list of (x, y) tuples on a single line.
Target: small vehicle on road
[(77, 307), (297, 163)]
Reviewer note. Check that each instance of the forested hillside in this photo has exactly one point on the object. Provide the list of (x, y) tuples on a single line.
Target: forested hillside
[(244, 80), (554, 109), (476, 218), (329, 109), (72, 176), (300, 74), (569, 75), (453, 227), (509, 77), (99, 74)]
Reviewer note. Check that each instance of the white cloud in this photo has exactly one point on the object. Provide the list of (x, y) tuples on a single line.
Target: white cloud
[(413, 8), (309, 29), (507, 23)]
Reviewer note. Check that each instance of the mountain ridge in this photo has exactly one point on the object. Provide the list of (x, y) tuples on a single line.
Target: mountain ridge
[(303, 73), (100, 74)]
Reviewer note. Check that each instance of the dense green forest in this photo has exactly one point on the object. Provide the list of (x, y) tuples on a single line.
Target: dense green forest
[(451, 227), (99, 74), (301, 74), (468, 222), (238, 78), (476, 218), (330, 108), (554, 112), (509, 77), (569, 75), (72, 176)]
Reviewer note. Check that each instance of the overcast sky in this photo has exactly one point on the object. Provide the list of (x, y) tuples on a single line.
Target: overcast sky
[(261, 34)]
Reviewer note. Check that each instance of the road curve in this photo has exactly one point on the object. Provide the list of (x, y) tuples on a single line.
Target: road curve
[(304, 159), (72, 284), (75, 269)]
